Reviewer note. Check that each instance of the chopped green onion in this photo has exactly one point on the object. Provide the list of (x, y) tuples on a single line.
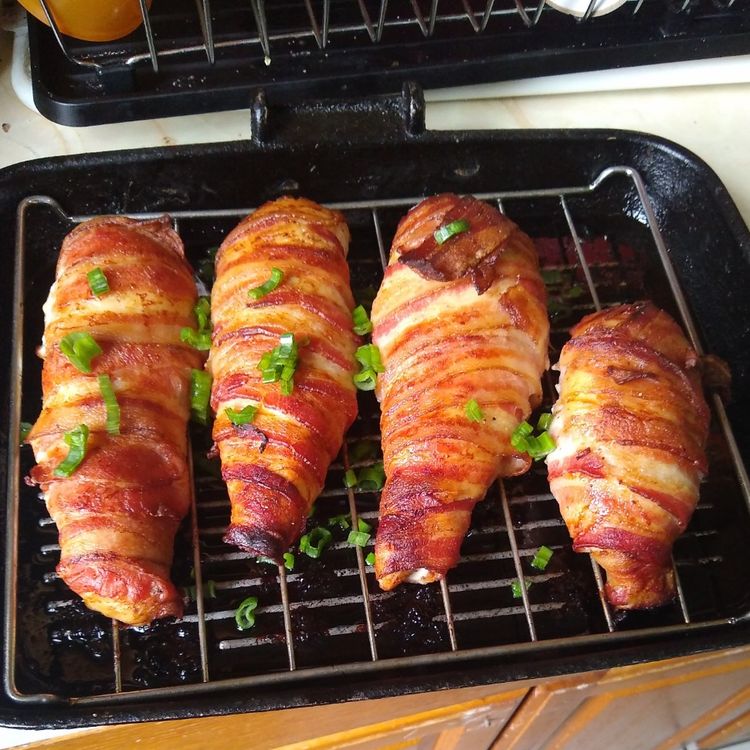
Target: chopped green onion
[(97, 282), (80, 348), (371, 478), (211, 589), (515, 587), (369, 357), (289, 561), (76, 441), (315, 542), (267, 287), (574, 292), (360, 538), (519, 438), (363, 525), (342, 521), (245, 614), (281, 364), (540, 446), (200, 395), (541, 558), (370, 559), (473, 412), (202, 311), (366, 380), (544, 421), (244, 416), (362, 324), (523, 429), (350, 479), (447, 231), (111, 405), (200, 340), (23, 431)]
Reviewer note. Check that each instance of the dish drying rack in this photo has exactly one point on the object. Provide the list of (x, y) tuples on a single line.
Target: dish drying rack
[(327, 619), (192, 57)]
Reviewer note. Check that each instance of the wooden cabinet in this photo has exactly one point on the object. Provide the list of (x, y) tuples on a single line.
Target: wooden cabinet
[(704, 699)]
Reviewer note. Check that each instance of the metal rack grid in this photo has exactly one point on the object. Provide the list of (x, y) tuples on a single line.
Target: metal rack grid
[(365, 600), (323, 25)]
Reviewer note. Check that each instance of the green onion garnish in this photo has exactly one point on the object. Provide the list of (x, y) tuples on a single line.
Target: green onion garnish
[(363, 526), (362, 324), (202, 311), (76, 441), (23, 431), (200, 395), (473, 412), (80, 348), (515, 587), (541, 558), (200, 340), (537, 446), (267, 287), (280, 364), (350, 478), (289, 561), (97, 282), (244, 416), (371, 478), (315, 542), (341, 521), (370, 559), (369, 358), (360, 538), (245, 614), (111, 405), (544, 421), (450, 230)]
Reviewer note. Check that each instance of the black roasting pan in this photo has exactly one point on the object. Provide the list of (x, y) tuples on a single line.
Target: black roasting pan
[(374, 150)]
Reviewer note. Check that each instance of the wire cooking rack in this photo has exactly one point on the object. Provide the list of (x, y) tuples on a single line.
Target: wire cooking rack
[(322, 20), (327, 617)]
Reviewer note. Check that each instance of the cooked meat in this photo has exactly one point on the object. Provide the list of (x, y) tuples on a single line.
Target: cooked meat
[(275, 465), (630, 426), (456, 321), (118, 510)]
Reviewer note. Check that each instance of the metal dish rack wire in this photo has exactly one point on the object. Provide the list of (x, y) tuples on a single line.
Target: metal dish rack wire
[(326, 618), (209, 55)]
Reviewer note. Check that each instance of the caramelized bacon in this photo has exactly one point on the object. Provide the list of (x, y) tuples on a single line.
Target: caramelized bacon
[(117, 514), (275, 467), (461, 321), (630, 426)]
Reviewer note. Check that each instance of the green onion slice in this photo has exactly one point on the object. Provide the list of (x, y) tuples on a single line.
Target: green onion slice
[(447, 231), (343, 521), (200, 340), (202, 311), (362, 323), (370, 559), (315, 542), (23, 431), (537, 446), (97, 282), (244, 416), (200, 395), (245, 614), (289, 561), (515, 587), (350, 479), (80, 349), (363, 526), (544, 421), (258, 292), (76, 441), (359, 538), (371, 478), (541, 558), (280, 364), (366, 380), (473, 412), (369, 357), (111, 405)]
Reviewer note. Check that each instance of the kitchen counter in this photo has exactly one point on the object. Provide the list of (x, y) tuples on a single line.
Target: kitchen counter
[(709, 120)]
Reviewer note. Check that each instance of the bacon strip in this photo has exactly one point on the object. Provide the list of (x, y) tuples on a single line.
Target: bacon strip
[(273, 482), (117, 514), (461, 321), (630, 426)]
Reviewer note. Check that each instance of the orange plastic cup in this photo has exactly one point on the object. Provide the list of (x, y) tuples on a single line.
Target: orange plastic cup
[(91, 20)]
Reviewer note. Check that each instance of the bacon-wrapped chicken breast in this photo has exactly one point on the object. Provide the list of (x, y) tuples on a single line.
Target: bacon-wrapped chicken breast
[(111, 442), (282, 360), (461, 325), (630, 427)]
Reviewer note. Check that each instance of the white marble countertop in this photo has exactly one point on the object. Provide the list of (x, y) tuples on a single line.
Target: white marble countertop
[(711, 120)]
